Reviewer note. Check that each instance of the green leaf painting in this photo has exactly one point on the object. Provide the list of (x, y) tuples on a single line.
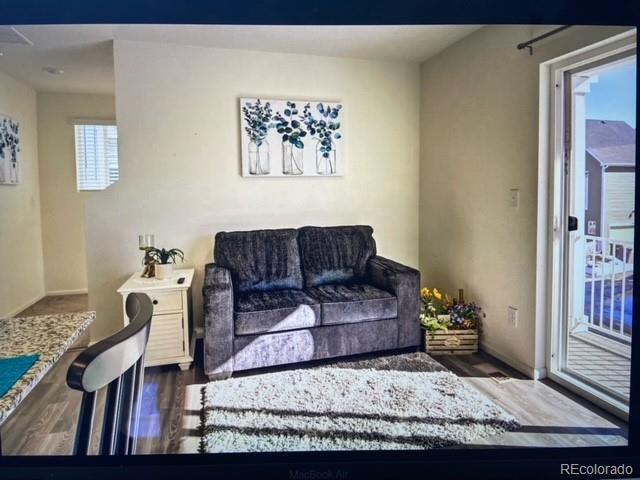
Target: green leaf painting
[(311, 128)]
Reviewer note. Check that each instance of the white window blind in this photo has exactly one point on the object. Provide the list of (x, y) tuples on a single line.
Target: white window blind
[(96, 156)]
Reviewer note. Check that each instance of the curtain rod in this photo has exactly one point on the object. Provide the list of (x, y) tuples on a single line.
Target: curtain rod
[(528, 44)]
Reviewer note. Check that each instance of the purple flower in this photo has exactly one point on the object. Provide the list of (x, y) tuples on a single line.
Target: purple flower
[(464, 315)]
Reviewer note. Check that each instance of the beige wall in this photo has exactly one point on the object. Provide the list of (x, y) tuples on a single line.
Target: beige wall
[(479, 139), (22, 277), (63, 229), (178, 119)]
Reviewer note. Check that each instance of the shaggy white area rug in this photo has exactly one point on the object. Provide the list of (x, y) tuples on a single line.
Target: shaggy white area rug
[(331, 408)]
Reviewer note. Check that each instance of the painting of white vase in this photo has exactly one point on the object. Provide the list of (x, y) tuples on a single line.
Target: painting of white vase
[(291, 138)]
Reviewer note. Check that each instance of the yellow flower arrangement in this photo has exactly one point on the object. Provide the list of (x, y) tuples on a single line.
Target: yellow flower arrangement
[(434, 303), (440, 311)]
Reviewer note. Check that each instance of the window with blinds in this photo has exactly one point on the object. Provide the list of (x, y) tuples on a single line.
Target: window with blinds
[(96, 156)]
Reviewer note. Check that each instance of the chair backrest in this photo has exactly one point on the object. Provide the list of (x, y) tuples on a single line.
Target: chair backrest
[(116, 362)]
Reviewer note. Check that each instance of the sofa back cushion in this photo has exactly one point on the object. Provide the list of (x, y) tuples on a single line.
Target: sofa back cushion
[(335, 254), (260, 260)]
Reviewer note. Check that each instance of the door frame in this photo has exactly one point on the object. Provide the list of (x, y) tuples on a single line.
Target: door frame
[(551, 241)]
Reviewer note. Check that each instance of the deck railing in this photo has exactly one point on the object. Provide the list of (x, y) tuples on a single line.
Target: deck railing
[(609, 286)]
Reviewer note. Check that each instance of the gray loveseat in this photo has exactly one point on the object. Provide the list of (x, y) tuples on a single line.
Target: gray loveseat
[(284, 296)]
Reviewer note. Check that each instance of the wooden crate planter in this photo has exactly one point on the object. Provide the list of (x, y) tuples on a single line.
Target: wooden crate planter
[(453, 342)]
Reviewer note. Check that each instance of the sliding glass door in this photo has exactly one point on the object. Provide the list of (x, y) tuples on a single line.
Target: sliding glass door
[(598, 131)]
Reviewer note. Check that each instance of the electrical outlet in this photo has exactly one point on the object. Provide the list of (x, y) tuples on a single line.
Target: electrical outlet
[(515, 198), (513, 316)]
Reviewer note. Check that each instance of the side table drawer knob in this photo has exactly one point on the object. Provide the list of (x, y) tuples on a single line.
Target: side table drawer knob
[(155, 302)]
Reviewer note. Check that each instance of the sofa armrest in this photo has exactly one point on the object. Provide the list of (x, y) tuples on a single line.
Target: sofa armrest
[(216, 275), (217, 296), (404, 283)]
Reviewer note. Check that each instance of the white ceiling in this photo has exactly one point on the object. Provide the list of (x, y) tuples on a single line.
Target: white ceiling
[(85, 52)]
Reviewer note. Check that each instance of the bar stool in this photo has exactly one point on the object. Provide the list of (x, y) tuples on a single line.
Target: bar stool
[(117, 362)]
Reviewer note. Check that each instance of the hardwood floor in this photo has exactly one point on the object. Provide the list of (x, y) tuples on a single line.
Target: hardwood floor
[(550, 416), (57, 304), (61, 304)]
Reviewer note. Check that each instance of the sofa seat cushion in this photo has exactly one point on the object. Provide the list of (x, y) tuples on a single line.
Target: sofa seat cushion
[(274, 311), (331, 255), (260, 259), (351, 303)]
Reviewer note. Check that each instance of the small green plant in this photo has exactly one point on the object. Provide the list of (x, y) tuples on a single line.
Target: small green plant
[(289, 125), (163, 257), (257, 117), (433, 324), (326, 129), (435, 307)]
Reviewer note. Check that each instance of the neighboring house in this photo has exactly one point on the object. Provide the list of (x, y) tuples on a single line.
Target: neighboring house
[(610, 179)]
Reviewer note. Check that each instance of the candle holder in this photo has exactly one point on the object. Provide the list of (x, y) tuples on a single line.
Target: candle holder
[(146, 244)]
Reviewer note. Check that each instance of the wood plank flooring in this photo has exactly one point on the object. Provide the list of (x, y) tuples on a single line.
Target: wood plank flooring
[(550, 416), (57, 304), (61, 304)]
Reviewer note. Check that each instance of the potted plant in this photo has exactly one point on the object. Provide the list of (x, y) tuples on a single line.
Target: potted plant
[(324, 131), (289, 125), (257, 117), (164, 260), (450, 326)]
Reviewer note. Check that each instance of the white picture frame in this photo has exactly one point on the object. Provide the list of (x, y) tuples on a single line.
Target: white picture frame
[(291, 138)]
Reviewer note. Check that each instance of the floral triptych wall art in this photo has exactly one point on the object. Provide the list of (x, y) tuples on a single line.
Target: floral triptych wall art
[(9, 151), (282, 138)]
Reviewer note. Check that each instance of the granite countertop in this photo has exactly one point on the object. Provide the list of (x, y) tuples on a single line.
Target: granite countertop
[(46, 335)]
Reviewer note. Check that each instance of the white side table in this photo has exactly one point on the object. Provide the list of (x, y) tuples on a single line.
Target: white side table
[(171, 339)]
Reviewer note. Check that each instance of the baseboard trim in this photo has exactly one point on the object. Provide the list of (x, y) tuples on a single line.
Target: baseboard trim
[(79, 291), (540, 373), (531, 372), (17, 310)]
